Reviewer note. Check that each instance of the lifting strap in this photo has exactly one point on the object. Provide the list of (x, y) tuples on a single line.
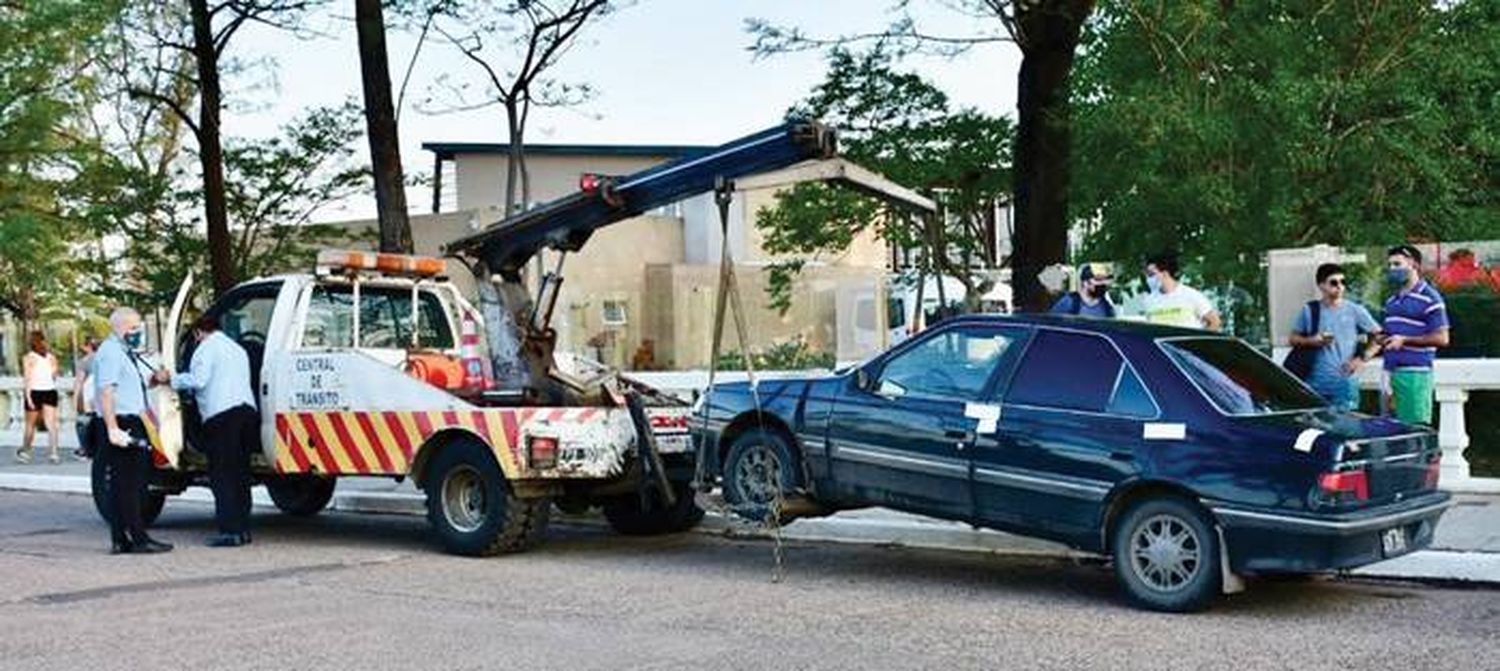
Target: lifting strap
[(727, 296)]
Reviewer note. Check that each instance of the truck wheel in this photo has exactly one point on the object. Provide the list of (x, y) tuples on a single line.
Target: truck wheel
[(101, 478), (472, 507), (627, 516), (759, 469), (1166, 556), (300, 495)]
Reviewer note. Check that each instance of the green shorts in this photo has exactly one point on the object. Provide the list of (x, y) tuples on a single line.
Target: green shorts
[(1411, 395)]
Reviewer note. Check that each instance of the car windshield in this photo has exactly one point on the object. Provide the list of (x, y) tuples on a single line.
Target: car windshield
[(1237, 379)]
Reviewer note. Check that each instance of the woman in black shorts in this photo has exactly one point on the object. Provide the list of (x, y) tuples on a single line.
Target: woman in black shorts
[(39, 375)]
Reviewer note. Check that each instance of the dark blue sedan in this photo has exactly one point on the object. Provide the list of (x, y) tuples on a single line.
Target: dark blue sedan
[(1189, 457)]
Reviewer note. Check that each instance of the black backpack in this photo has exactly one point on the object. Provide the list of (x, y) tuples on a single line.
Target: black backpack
[(1300, 361)]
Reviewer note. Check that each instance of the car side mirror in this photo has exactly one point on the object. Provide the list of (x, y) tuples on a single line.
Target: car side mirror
[(862, 379)]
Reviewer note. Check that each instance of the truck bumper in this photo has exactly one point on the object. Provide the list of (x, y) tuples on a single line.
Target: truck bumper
[(1269, 541)]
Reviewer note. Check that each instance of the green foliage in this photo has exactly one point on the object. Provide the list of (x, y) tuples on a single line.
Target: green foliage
[(274, 187), (1225, 129), (903, 127), (1474, 311), (43, 49), (794, 354)]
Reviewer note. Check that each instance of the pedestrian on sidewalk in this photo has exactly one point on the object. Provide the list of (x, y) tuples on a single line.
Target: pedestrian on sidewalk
[(1332, 327), (1092, 297), (219, 377), (39, 392), (83, 398), (1171, 302), (1416, 325), (120, 389)]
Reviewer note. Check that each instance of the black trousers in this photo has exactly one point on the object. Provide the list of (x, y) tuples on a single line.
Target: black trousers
[(230, 437), (128, 468)]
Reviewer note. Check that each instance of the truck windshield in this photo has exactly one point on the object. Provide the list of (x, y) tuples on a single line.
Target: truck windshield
[(1237, 379)]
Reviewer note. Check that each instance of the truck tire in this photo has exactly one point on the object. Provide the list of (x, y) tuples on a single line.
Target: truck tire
[(1166, 556), (100, 479), (300, 495), (760, 467), (627, 516), (472, 507)]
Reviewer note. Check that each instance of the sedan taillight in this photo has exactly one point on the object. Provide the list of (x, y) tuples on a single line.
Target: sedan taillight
[(1345, 486)]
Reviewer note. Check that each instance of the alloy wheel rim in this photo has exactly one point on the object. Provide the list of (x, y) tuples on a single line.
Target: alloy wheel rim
[(1165, 553), (758, 475)]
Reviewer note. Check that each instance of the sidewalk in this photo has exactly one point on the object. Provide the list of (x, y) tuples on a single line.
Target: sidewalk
[(1465, 550)]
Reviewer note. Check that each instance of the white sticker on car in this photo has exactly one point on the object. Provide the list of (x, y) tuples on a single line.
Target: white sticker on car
[(988, 415), (1305, 440), (1163, 431)]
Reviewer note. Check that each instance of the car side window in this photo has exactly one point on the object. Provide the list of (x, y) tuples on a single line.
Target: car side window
[(1068, 370), (956, 363), (1131, 398)]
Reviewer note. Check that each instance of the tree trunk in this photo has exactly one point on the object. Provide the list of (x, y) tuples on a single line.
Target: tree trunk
[(513, 135), (1043, 137), (380, 123), (210, 149)]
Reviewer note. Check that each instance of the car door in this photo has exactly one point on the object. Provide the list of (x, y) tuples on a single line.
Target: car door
[(899, 432), (1070, 427)]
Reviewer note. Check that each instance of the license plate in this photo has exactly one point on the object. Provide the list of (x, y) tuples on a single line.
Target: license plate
[(1393, 541), (675, 444)]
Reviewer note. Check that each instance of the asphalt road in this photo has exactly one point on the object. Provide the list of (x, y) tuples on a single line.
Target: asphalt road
[(369, 592)]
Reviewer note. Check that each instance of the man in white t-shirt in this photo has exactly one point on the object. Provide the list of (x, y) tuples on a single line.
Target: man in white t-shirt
[(1172, 302)]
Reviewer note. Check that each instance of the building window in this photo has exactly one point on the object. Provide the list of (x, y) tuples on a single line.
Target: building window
[(613, 313)]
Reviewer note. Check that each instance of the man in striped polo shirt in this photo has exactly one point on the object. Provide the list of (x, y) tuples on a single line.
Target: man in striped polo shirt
[(1416, 324)]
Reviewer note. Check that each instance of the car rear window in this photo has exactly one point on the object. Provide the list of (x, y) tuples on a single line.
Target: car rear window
[(1237, 379)]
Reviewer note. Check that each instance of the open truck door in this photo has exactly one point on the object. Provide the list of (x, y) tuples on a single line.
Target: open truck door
[(164, 400)]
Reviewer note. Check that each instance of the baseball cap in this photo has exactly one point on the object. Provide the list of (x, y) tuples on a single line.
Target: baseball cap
[(1095, 271)]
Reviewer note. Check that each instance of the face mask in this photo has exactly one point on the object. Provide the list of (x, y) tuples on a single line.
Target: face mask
[(1095, 291), (1153, 282), (135, 338), (1397, 277)]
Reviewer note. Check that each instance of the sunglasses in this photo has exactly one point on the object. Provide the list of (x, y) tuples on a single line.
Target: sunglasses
[(1335, 282)]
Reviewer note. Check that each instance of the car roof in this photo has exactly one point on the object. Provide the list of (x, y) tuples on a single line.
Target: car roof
[(1112, 327)]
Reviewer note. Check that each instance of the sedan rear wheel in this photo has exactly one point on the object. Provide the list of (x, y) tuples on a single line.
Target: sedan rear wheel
[(1166, 556)]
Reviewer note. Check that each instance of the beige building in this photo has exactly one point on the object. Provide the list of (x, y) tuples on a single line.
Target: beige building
[(648, 284)]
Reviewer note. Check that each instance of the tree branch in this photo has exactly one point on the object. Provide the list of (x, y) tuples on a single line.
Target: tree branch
[(171, 104)]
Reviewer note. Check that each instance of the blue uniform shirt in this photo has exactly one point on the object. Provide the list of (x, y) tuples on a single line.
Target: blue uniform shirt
[(1345, 323), (114, 367), (1418, 312), (218, 376)]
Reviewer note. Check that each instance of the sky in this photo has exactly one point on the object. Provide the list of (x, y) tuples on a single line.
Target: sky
[(665, 72)]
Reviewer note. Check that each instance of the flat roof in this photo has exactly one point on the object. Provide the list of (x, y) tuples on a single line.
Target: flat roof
[(447, 150)]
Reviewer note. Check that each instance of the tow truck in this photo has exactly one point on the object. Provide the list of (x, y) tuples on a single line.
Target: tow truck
[(375, 365)]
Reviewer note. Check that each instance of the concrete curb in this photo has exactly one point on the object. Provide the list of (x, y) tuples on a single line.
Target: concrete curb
[(863, 527)]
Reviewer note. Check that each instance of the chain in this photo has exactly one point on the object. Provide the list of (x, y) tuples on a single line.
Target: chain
[(773, 525)]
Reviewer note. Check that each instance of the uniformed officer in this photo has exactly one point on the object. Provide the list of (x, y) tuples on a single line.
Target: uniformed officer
[(219, 377), (120, 389)]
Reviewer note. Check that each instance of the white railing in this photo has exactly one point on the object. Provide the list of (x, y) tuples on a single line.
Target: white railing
[(13, 409), (1452, 380)]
